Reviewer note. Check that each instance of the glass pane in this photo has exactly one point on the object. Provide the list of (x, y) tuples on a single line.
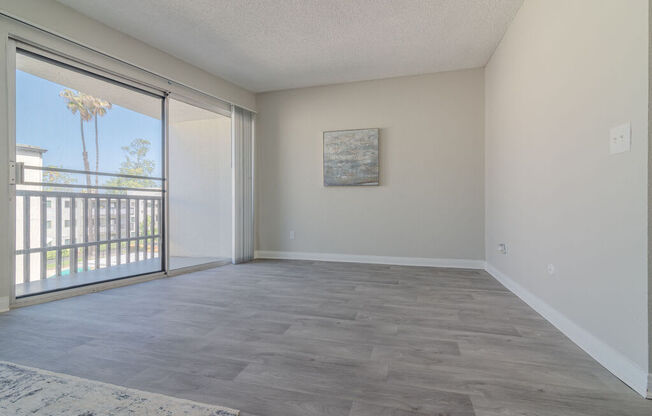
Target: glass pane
[(200, 186), (74, 133)]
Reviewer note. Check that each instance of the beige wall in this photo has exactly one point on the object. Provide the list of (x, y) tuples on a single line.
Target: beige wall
[(430, 200), (564, 74)]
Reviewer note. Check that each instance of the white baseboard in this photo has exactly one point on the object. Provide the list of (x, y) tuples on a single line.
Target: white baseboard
[(621, 366), (355, 258), (4, 304)]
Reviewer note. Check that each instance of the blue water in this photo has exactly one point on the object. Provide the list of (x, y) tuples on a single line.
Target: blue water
[(66, 272)]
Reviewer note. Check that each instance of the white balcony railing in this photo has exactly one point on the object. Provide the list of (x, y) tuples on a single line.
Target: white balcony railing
[(61, 231)]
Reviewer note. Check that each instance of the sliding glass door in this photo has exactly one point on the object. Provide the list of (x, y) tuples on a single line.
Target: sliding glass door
[(200, 192), (89, 177)]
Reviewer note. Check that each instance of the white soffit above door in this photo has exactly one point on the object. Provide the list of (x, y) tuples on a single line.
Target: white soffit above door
[(265, 45)]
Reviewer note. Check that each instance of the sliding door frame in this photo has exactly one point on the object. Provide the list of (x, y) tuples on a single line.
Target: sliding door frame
[(212, 105), (11, 153), (15, 32), (165, 255), (15, 46)]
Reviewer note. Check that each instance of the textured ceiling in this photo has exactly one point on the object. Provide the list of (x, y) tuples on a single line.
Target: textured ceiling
[(267, 45)]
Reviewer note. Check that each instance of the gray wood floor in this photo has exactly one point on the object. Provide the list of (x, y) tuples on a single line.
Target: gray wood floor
[(289, 338)]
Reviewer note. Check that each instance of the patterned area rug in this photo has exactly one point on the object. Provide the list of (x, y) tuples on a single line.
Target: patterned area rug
[(31, 391)]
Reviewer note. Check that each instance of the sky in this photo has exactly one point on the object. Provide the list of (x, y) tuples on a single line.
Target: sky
[(43, 120)]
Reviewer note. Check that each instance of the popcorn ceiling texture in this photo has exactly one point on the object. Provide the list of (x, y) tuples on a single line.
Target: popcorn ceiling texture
[(280, 44)]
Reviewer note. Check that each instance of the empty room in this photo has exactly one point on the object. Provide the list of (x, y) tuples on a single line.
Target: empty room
[(325, 208)]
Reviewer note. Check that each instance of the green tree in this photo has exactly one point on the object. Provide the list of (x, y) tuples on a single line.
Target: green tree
[(89, 108), (135, 163), (54, 177)]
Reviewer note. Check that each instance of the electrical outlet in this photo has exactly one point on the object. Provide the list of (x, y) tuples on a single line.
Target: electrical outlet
[(620, 138), (292, 235), (551, 269), (502, 248)]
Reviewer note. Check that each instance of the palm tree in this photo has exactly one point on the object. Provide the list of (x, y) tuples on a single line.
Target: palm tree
[(88, 107), (77, 103), (98, 108)]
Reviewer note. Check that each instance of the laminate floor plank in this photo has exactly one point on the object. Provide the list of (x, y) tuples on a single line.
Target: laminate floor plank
[(304, 338)]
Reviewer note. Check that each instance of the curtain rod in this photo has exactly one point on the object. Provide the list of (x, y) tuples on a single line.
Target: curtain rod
[(122, 61)]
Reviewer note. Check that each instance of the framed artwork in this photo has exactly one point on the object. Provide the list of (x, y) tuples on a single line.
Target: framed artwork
[(351, 157)]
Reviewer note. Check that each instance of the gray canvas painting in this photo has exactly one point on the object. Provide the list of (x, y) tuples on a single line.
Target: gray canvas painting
[(351, 157)]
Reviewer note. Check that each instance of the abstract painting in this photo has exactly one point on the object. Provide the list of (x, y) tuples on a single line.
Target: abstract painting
[(351, 157)]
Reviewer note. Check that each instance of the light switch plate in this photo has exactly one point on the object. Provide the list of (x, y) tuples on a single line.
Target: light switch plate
[(620, 138)]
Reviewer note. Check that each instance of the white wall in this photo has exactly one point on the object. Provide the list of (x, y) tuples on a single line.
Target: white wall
[(429, 204), (564, 74)]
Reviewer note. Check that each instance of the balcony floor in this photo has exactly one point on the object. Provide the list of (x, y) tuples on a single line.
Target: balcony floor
[(109, 273), (180, 262)]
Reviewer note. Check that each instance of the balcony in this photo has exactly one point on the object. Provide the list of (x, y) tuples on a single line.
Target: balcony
[(66, 237), (81, 237), (98, 217)]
